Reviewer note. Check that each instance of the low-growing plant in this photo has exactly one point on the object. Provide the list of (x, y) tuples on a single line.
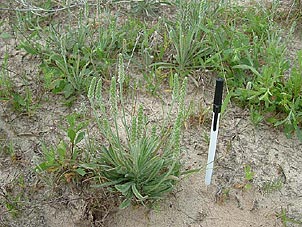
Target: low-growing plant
[(249, 175), (197, 114), (64, 158), (145, 8), (23, 102), (287, 220), (11, 202), (271, 186), (9, 149), (13, 196), (72, 54), (276, 97), (6, 85), (144, 164), (188, 38)]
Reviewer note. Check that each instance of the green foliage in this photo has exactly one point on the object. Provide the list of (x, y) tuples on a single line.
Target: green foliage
[(13, 196), (71, 54), (146, 7), (187, 37), (23, 102), (287, 220), (244, 45), (249, 175), (65, 157), (272, 186), (275, 96), (20, 101), (6, 86), (146, 164), (11, 202)]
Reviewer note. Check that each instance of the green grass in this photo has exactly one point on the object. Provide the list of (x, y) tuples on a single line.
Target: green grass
[(6, 85), (287, 220)]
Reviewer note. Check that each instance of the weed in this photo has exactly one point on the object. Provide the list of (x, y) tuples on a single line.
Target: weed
[(145, 165), (71, 55), (146, 8), (23, 102), (222, 195), (249, 175), (197, 114), (286, 220), (11, 204), (13, 196), (256, 116), (187, 36), (6, 85), (152, 83), (272, 92), (64, 158), (272, 186)]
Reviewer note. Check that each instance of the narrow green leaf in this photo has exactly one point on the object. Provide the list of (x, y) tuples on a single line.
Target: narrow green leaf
[(226, 102), (124, 188), (91, 89), (90, 166), (42, 167), (247, 67), (68, 90), (137, 194), (125, 204), (107, 184), (299, 133), (61, 150), (81, 171), (79, 137)]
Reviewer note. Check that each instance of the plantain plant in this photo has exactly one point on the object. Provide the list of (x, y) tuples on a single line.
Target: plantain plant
[(144, 164)]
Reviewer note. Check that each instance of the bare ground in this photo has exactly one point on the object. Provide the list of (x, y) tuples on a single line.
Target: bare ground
[(275, 160)]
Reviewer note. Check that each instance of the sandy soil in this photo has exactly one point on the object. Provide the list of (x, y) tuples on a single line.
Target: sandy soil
[(275, 160)]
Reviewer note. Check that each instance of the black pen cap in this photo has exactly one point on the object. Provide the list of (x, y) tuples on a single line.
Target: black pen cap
[(218, 93)]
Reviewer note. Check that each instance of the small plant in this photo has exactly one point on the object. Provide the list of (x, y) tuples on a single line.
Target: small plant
[(256, 116), (64, 158), (11, 202), (197, 114), (13, 196), (23, 102), (144, 165), (6, 85), (9, 149), (146, 7), (286, 220), (272, 186), (249, 175), (188, 39)]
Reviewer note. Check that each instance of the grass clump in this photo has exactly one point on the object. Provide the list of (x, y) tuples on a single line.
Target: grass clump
[(144, 165)]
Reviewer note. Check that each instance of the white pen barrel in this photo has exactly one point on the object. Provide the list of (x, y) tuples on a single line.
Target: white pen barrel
[(212, 151)]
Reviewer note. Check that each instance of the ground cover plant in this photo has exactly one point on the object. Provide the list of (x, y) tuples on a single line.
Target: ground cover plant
[(146, 165), (102, 55)]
